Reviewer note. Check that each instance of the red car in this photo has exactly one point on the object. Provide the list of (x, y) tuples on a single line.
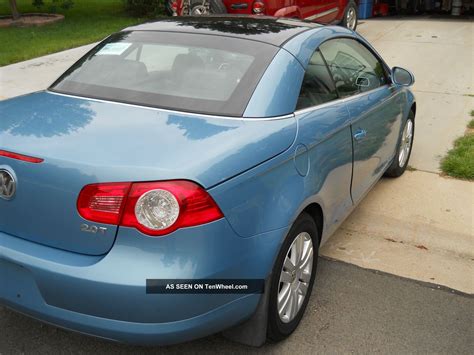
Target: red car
[(342, 12)]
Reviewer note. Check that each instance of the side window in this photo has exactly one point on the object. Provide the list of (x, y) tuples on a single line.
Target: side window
[(318, 86), (353, 67)]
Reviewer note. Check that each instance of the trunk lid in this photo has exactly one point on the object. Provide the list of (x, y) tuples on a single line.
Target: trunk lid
[(85, 141)]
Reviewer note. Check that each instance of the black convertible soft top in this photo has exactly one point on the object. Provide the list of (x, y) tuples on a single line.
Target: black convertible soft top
[(173, 70), (272, 30)]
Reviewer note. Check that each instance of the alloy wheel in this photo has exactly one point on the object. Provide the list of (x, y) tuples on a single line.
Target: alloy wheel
[(199, 10), (351, 18), (405, 144), (295, 277)]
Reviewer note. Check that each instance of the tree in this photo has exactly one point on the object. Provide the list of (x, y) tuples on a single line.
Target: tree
[(14, 10)]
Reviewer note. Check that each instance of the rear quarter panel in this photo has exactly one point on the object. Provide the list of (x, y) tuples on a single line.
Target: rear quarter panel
[(272, 195), (278, 89)]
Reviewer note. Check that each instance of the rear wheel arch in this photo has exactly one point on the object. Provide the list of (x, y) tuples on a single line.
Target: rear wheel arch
[(316, 213), (413, 109), (257, 329)]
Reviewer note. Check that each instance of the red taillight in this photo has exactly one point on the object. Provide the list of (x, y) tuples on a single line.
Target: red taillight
[(21, 157), (141, 205), (103, 203), (258, 7), (174, 8)]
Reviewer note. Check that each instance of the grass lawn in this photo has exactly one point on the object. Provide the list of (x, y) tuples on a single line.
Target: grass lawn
[(459, 162), (88, 21)]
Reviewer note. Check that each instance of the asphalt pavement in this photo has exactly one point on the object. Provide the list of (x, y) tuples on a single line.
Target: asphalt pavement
[(352, 310)]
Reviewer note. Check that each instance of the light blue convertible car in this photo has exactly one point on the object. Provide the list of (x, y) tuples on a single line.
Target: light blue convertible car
[(178, 180)]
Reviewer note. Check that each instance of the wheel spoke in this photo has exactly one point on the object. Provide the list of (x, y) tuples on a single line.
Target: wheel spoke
[(293, 304), (285, 277), (409, 132), (303, 289), (305, 276), (307, 257), (402, 157), (299, 246), (284, 299), (288, 264)]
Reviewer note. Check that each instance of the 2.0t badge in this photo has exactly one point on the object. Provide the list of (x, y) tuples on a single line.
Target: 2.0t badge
[(7, 185)]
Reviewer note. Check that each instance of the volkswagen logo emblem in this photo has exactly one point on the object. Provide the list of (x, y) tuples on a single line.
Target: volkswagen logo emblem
[(7, 185)]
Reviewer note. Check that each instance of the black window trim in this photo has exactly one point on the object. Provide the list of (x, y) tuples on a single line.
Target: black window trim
[(330, 74), (368, 47), (347, 98), (332, 80)]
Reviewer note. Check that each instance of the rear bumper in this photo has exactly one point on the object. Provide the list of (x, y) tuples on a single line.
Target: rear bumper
[(106, 296), (214, 321)]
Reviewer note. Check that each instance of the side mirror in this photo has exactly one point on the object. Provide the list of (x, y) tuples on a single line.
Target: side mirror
[(402, 77)]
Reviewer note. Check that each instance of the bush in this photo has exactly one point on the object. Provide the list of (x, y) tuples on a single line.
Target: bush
[(54, 5), (145, 8)]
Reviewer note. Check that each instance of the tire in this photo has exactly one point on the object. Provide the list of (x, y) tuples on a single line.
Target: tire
[(215, 7), (281, 326), (398, 167), (351, 8)]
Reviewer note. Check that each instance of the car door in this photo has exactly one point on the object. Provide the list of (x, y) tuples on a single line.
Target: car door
[(373, 104), (324, 11), (324, 134)]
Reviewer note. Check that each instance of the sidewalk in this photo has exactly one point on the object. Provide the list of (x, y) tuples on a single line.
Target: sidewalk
[(37, 74), (418, 226)]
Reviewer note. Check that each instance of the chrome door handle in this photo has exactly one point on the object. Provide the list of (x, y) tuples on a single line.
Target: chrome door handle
[(360, 134)]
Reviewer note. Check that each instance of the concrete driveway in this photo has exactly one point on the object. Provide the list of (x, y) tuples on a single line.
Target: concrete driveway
[(419, 226)]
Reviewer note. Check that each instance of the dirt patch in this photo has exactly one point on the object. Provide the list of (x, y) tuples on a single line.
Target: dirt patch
[(30, 20)]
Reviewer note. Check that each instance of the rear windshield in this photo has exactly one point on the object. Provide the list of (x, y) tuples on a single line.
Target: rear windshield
[(179, 71)]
